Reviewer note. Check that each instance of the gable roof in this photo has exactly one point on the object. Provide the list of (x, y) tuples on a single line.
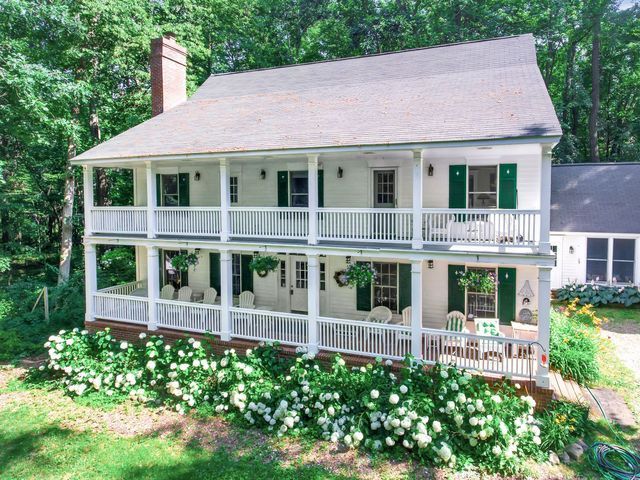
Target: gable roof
[(489, 89), (597, 198)]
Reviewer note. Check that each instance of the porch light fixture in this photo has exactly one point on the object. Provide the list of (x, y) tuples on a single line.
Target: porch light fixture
[(571, 250), (197, 250), (340, 172), (196, 177), (430, 170), (348, 260), (263, 174), (430, 264)]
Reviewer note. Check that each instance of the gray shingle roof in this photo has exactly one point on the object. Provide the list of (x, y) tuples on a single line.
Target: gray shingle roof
[(482, 90), (598, 198)]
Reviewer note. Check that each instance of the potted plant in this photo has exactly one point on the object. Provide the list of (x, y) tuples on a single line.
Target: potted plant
[(475, 280), (263, 264), (183, 261), (356, 275)]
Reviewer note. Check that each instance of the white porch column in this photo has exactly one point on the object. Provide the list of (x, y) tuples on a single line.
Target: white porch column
[(609, 278), (90, 280), (87, 179), (153, 285), (152, 188), (418, 170), (544, 324), (313, 300), (225, 200), (416, 308), (226, 295), (545, 199), (313, 199), (636, 264)]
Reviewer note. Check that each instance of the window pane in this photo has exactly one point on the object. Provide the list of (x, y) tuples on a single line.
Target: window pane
[(483, 187), (235, 274), (233, 189), (171, 275), (170, 200), (596, 270), (624, 249), (385, 289), (597, 248), (170, 184), (622, 272)]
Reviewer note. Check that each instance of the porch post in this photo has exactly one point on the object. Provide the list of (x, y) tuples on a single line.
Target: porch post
[(153, 285), (90, 280), (152, 188), (226, 296), (545, 200), (418, 169), (544, 324), (225, 200), (87, 178), (416, 308), (313, 198), (313, 301)]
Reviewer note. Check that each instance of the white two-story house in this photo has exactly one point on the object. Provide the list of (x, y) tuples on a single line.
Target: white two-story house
[(423, 164)]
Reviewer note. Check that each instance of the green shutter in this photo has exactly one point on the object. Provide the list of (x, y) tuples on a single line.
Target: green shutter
[(283, 189), (158, 190), (457, 186), (363, 297), (214, 271), (183, 189), (456, 294), (320, 188), (404, 286), (506, 295), (508, 186), (246, 274), (184, 274)]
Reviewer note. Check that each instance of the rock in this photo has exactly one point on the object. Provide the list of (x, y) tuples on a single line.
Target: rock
[(565, 458), (582, 443), (575, 451), (553, 458)]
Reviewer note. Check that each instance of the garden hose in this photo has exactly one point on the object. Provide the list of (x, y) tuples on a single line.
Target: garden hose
[(613, 462)]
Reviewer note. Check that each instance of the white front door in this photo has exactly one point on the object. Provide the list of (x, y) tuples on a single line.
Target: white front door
[(299, 279)]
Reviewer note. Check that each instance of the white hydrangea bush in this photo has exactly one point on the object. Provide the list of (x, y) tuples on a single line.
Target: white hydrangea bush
[(441, 415)]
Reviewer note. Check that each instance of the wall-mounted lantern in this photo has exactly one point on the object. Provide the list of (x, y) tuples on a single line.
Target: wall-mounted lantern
[(430, 170), (263, 174), (340, 172), (571, 250), (196, 177), (430, 264)]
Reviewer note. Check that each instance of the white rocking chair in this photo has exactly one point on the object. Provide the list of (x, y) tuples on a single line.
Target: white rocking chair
[(379, 314), (210, 295), (184, 294), (167, 292), (246, 300), (456, 322)]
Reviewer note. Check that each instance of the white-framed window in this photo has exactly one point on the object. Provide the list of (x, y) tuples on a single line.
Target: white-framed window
[(283, 273), (483, 187), (323, 277), (597, 255), (482, 305), (385, 287), (299, 188), (236, 274), (169, 190), (624, 251), (234, 192)]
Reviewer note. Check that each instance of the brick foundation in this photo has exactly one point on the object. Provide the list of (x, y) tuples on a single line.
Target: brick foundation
[(129, 332)]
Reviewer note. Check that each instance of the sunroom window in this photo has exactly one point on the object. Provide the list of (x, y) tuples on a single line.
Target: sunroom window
[(623, 260), (597, 253), (483, 187)]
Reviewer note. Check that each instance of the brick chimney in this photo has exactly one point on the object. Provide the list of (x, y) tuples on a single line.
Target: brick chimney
[(168, 73)]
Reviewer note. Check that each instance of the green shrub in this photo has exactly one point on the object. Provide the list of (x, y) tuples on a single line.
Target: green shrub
[(562, 424), (443, 416), (573, 347), (596, 295)]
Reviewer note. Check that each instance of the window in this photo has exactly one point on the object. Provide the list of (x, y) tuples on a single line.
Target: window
[(323, 277), (299, 186), (236, 274), (283, 273), (170, 275), (301, 275), (384, 188), (624, 251), (597, 253), (169, 190), (233, 189), (483, 187), (482, 305), (385, 288)]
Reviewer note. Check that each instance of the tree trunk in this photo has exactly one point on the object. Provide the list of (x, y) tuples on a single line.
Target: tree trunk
[(102, 193), (66, 240), (595, 89), (567, 91)]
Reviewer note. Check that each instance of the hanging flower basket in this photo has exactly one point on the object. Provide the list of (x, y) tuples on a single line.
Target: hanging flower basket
[(263, 264), (356, 275), (183, 261), (479, 281)]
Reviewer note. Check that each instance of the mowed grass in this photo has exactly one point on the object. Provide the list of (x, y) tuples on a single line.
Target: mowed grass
[(619, 314), (33, 446)]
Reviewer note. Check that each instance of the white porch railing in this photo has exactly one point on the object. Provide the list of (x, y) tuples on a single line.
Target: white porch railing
[(500, 355), (123, 308), (481, 227), (365, 224), (286, 328), (125, 288), (196, 221), (364, 338), (119, 219), (269, 222), (190, 317)]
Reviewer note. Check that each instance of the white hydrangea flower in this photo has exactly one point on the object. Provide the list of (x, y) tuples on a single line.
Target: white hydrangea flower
[(394, 399), (375, 394), (403, 389)]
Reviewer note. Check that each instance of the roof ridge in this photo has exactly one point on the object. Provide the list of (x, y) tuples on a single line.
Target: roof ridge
[(370, 55)]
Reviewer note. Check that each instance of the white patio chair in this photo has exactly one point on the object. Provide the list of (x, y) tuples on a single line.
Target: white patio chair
[(402, 337), (184, 294), (246, 300), (489, 327), (167, 292), (379, 314), (210, 295), (457, 231), (456, 322)]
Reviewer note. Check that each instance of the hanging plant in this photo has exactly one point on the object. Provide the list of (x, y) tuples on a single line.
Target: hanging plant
[(480, 281), (263, 264), (183, 261), (356, 275)]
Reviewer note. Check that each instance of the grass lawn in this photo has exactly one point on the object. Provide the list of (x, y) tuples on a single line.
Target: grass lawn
[(619, 314)]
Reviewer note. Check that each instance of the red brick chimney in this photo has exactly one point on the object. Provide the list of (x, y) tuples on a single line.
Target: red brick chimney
[(168, 73)]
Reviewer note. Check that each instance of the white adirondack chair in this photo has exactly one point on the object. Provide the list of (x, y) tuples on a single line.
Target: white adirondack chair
[(167, 292), (246, 300), (456, 322), (210, 295), (489, 327), (379, 314), (184, 294), (406, 322)]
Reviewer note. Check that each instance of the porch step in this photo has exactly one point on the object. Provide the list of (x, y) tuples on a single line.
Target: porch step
[(567, 390)]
